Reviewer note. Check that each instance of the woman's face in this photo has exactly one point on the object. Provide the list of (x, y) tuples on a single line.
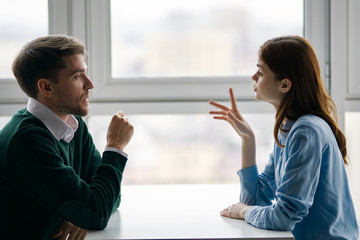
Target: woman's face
[(266, 87)]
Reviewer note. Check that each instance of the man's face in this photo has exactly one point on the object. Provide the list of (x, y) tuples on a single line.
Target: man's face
[(71, 92)]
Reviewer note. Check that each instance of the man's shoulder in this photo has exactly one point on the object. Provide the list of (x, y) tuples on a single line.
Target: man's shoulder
[(22, 118), (21, 121), (19, 127)]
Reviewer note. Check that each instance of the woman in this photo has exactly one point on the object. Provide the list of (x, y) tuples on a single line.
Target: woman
[(305, 174)]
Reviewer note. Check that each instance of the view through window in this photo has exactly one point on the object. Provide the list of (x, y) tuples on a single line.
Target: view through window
[(167, 38), (20, 22), (352, 130), (182, 149)]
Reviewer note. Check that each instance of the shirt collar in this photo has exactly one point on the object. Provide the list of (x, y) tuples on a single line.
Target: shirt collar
[(282, 135), (288, 124), (58, 128)]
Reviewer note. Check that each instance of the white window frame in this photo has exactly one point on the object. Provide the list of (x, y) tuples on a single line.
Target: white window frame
[(188, 94), (89, 20), (345, 64)]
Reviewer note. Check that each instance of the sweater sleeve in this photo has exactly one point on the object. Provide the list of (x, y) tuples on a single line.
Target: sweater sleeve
[(91, 157), (40, 172), (296, 186)]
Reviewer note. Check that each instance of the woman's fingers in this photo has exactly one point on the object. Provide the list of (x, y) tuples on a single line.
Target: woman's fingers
[(223, 107), (221, 115), (221, 118), (218, 105), (224, 113), (225, 213), (231, 115), (232, 99)]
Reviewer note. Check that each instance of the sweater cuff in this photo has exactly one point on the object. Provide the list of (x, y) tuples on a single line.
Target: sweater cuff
[(115, 159)]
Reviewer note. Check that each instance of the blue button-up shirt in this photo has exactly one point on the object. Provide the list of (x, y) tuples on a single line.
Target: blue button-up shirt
[(304, 187)]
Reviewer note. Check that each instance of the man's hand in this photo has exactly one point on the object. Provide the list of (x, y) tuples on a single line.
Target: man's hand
[(120, 131), (68, 229), (237, 210)]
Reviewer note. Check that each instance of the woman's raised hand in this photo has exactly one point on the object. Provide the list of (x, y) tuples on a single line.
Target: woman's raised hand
[(233, 116)]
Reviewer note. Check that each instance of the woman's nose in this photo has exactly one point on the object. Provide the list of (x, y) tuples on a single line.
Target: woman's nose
[(254, 77)]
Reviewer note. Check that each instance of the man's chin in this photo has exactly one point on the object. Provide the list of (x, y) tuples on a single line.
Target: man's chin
[(85, 113), (81, 112)]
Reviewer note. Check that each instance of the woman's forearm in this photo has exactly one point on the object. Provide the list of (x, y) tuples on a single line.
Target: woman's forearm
[(248, 151)]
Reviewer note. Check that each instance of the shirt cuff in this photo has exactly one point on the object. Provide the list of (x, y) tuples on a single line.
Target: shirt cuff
[(247, 217), (250, 174), (119, 151)]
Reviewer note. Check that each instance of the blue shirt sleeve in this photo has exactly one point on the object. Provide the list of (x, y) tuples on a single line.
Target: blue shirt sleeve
[(296, 179), (255, 189)]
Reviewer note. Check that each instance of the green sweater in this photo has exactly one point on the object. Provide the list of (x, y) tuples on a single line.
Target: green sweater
[(44, 181)]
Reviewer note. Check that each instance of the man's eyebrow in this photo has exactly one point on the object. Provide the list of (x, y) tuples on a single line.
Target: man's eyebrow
[(81, 70), (258, 65)]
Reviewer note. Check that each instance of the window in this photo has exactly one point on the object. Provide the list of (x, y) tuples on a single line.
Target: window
[(161, 61), (183, 148), (162, 38), (20, 21), (3, 121), (181, 50), (352, 131)]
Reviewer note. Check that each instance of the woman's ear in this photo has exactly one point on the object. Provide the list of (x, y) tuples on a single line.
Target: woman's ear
[(285, 85), (45, 87)]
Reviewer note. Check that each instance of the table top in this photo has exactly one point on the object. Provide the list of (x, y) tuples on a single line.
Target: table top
[(179, 212)]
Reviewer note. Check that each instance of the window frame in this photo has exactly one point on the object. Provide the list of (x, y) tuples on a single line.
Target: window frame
[(89, 20), (180, 91), (174, 89)]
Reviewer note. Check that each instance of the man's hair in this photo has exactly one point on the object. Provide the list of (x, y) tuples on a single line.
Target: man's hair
[(44, 57)]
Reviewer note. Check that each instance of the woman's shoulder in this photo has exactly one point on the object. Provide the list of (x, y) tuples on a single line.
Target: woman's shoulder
[(310, 119), (312, 123)]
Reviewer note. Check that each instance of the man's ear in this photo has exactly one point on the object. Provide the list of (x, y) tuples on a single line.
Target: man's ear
[(285, 85), (45, 87)]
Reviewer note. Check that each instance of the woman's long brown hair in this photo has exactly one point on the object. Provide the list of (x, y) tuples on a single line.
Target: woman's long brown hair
[(293, 57)]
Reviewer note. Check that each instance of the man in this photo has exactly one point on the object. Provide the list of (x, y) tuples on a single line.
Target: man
[(53, 181)]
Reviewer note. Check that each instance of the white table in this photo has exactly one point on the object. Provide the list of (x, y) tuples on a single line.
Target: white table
[(179, 212)]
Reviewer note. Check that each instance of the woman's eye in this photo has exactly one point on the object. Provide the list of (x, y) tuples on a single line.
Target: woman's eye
[(259, 73)]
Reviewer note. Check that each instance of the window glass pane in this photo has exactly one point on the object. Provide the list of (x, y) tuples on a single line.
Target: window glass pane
[(3, 121), (182, 149), (198, 37), (20, 22), (352, 132)]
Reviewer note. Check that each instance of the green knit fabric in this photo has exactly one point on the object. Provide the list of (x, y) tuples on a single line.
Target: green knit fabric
[(44, 181)]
